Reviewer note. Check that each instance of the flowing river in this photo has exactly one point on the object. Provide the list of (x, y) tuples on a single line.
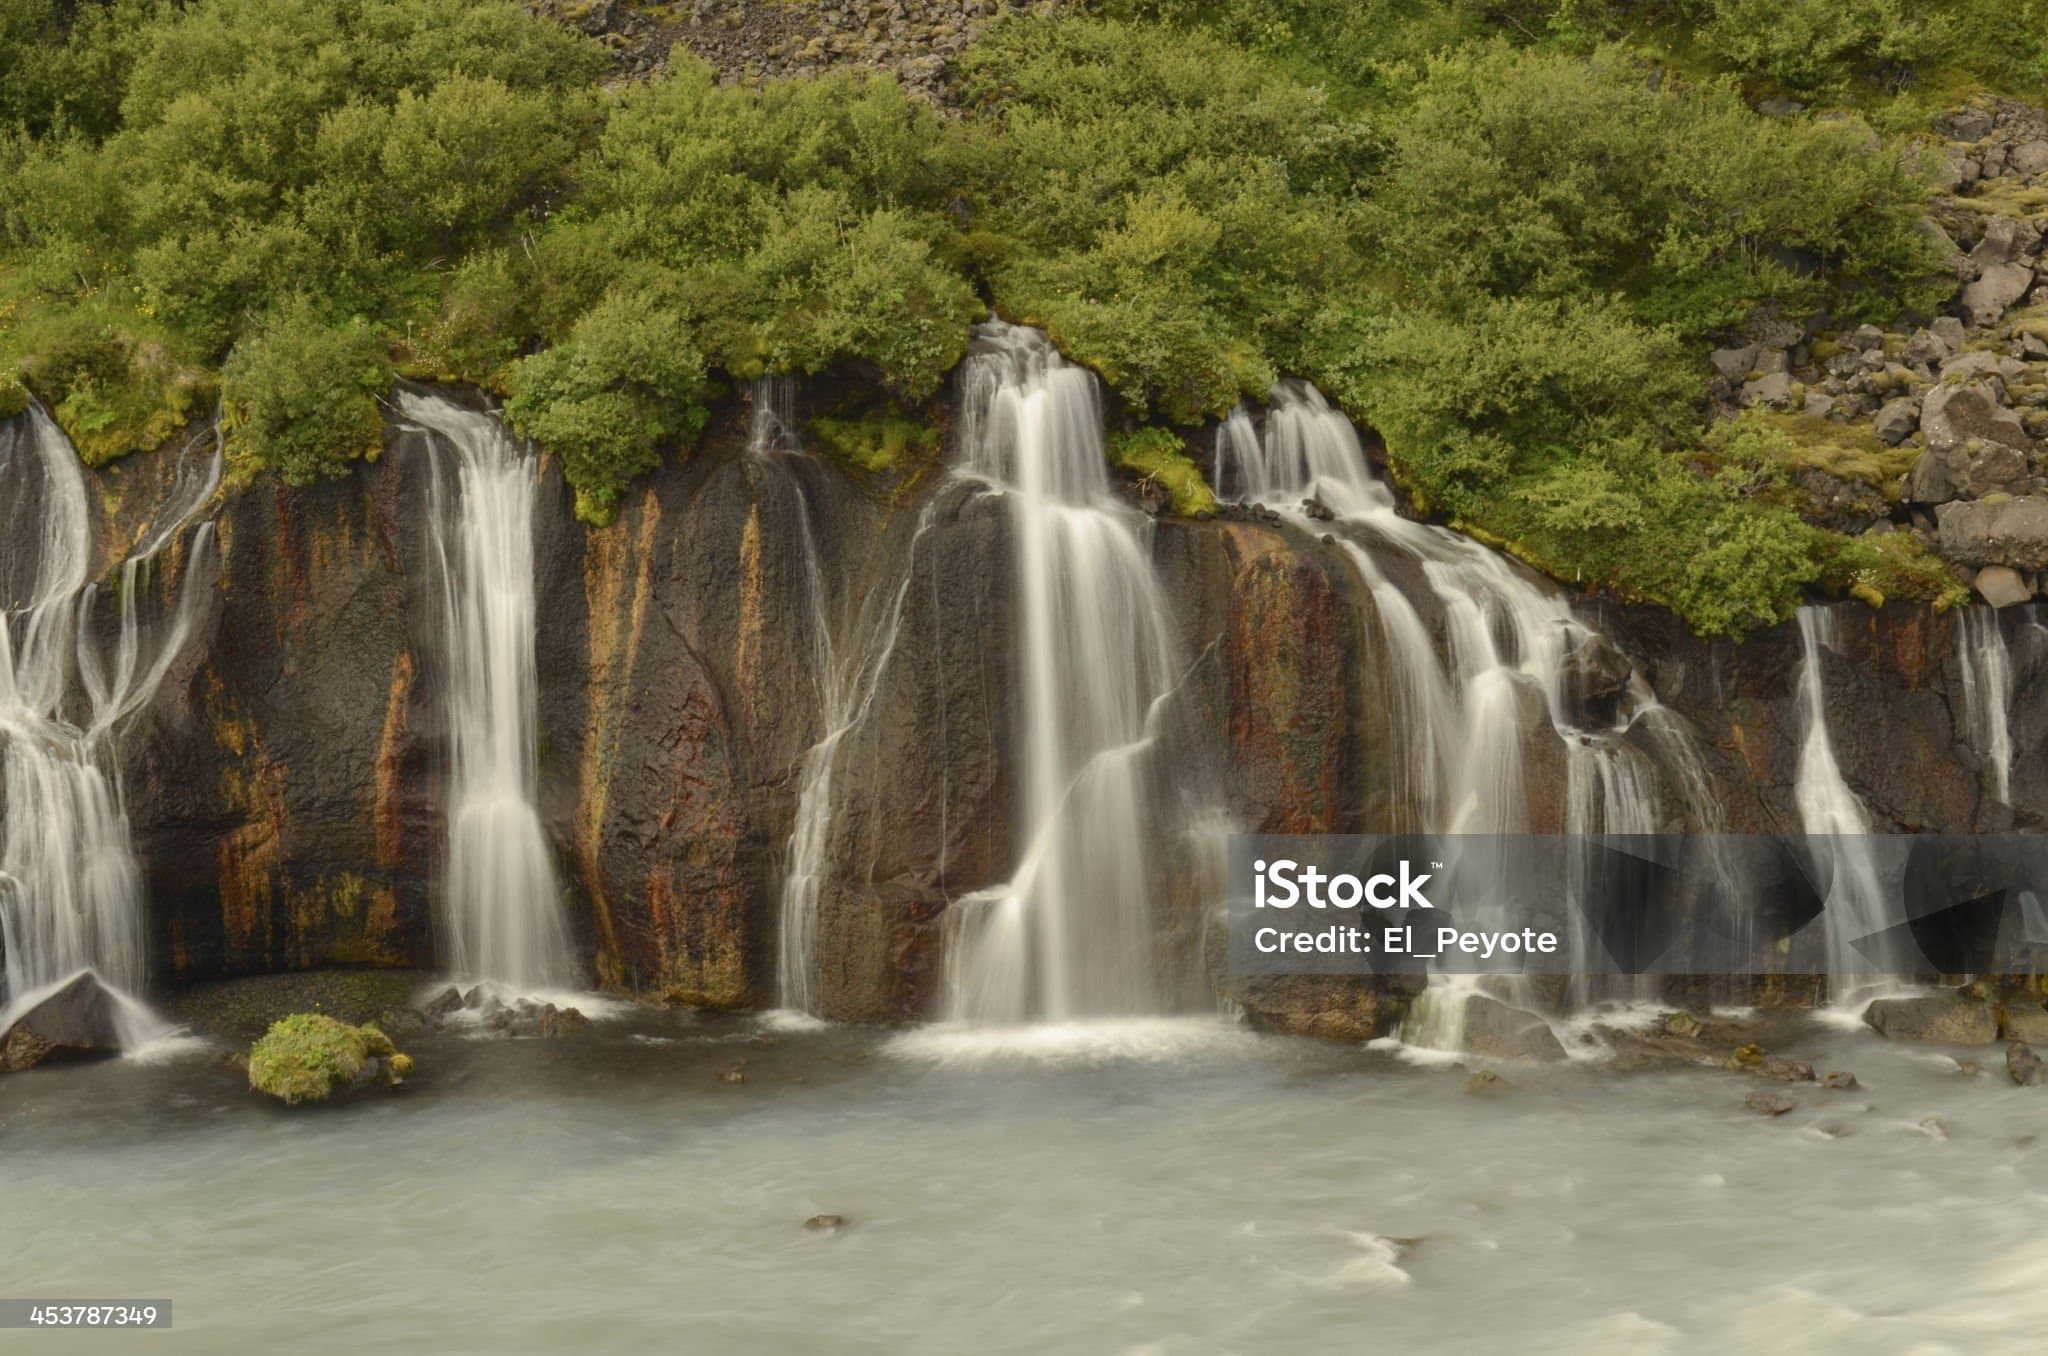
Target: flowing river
[(1150, 1186)]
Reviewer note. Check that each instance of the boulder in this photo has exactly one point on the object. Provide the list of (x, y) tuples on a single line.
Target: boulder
[(2025, 1022), (1773, 388), (1966, 124), (1769, 1103), (1949, 330), (1734, 363), (1928, 482), (1594, 677), (78, 1021), (1954, 413), (2028, 158), (2005, 240), (1496, 1031), (2001, 586), (1897, 418), (2011, 532), (1926, 349), (1982, 364), (1940, 1019), (1981, 467), (1985, 301), (2024, 1066)]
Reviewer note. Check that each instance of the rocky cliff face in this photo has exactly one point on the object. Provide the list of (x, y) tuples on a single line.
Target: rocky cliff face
[(286, 786)]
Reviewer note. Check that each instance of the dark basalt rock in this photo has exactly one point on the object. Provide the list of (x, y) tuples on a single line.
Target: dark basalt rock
[(78, 1021), (2025, 1067)]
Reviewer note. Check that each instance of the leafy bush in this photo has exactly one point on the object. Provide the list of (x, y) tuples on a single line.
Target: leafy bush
[(1549, 175), (1168, 207), (300, 396), (627, 380)]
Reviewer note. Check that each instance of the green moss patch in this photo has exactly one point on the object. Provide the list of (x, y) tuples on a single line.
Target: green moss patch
[(309, 1056), (876, 444), (1158, 455)]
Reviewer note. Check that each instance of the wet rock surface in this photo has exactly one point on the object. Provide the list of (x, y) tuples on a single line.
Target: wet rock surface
[(78, 1021), (1944, 1019)]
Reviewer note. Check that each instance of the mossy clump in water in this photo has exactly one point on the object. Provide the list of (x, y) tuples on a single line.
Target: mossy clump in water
[(307, 1056)]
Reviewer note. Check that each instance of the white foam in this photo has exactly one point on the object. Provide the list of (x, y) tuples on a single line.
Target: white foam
[(1108, 1040)]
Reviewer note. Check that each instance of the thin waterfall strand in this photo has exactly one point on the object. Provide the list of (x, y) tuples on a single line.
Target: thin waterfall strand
[(502, 910), (71, 893), (1070, 935)]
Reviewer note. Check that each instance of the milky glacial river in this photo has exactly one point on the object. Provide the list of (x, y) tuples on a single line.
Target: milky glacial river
[(1152, 1188)]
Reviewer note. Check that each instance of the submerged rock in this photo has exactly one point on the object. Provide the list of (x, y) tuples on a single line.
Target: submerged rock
[(1769, 1103), (1841, 1082), (1942, 1019), (75, 1022), (825, 1224), (1485, 1081), (309, 1057), (2025, 1067)]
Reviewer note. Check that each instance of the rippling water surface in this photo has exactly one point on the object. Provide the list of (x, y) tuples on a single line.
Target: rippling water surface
[(1152, 1187)]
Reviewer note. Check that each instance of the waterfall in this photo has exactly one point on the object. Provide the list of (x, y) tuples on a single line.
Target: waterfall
[(846, 687), (1986, 668), (1464, 699), (1070, 935), (71, 894), (1855, 898), (502, 912)]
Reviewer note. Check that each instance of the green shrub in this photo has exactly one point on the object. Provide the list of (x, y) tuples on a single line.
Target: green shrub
[(1546, 174), (301, 396), (1167, 206), (628, 381)]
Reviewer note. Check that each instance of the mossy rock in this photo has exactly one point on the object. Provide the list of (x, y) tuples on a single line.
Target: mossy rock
[(875, 444), (1160, 456), (309, 1057)]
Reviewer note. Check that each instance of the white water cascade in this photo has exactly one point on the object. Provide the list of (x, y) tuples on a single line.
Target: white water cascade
[(502, 913), (846, 685), (1070, 935), (71, 893), (1859, 960), (1986, 668), (1464, 704)]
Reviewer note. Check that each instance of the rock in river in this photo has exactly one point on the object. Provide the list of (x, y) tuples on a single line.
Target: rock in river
[(1943, 1019), (77, 1021)]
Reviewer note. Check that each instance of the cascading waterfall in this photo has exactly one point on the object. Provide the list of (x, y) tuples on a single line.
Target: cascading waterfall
[(846, 688), (71, 895), (1070, 934), (1986, 667), (1465, 709), (1857, 915), (502, 911)]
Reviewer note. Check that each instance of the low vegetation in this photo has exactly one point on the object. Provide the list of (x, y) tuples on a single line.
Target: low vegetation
[(309, 1056), (1504, 236)]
